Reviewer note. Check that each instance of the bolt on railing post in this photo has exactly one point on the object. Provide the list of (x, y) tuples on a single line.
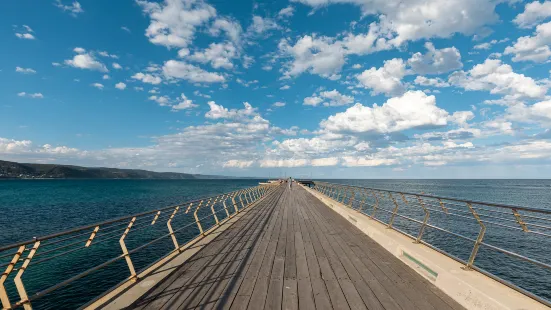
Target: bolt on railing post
[(6, 304), (125, 250), (197, 218), (91, 237), (425, 220), (169, 224), (519, 220), (394, 212), (476, 246), (376, 204), (19, 282)]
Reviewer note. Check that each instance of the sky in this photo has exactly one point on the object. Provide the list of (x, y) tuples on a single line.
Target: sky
[(303, 88)]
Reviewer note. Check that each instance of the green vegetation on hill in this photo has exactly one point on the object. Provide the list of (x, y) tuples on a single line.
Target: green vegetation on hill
[(13, 170)]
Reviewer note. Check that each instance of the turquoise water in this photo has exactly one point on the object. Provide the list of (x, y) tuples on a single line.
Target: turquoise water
[(30, 208)]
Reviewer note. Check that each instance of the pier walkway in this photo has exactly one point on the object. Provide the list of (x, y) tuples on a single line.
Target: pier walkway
[(290, 251)]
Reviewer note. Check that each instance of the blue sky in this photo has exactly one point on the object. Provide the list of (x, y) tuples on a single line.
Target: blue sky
[(321, 88)]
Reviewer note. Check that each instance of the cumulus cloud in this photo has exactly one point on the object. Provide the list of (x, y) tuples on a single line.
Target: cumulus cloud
[(189, 72), (436, 61), (430, 82), (317, 55), (184, 103), (414, 109), (497, 78), (219, 55), (98, 85), (25, 70), (74, 8), (235, 163), (120, 86), (385, 80), (231, 27), (174, 22), (534, 13), (539, 112), (532, 48), (220, 112), (117, 66), (84, 60), (261, 25), (33, 95), (147, 78), (286, 12), (331, 98)]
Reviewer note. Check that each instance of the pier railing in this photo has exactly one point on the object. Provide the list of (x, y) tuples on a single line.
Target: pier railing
[(460, 229), (185, 223)]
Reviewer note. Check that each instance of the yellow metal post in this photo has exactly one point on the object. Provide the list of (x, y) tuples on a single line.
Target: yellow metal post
[(19, 283), (478, 239), (168, 223), (125, 250), (91, 237), (6, 304)]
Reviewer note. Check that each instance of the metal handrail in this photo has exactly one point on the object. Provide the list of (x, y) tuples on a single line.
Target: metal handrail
[(374, 198), (227, 204)]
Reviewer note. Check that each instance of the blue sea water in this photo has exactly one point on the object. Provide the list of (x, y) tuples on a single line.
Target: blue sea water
[(30, 208)]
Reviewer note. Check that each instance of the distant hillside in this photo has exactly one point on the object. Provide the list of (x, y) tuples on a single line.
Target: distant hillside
[(13, 170)]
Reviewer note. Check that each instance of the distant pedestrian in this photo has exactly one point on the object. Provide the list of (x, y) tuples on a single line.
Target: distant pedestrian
[(290, 183)]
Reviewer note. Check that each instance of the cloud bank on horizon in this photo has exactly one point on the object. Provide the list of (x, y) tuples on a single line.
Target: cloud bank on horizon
[(327, 88)]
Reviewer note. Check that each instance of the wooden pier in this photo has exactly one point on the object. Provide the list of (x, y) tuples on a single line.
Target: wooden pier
[(290, 251)]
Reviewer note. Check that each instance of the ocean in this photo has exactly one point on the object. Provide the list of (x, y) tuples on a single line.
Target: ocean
[(30, 208)]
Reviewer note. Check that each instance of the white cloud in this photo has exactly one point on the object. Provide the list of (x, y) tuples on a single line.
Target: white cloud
[(8, 146), (184, 104), (120, 86), (534, 13), (497, 78), (285, 87), (117, 66), (414, 109), (25, 70), (261, 25), (219, 55), (232, 29), (386, 80), (182, 70), (26, 36), (174, 22), (85, 60), (534, 48), (34, 95), (106, 77), (317, 55), (357, 66), (436, 61), (74, 8), (147, 78), (220, 112), (279, 104), (235, 163), (331, 98), (98, 85), (126, 29), (161, 100), (367, 161), (422, 19), (271, 163), (106, 54), (539, 112), (286, 12), (461, 117), (430, 82), (483, 46)]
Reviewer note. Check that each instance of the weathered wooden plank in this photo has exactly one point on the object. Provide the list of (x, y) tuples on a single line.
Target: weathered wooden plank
[(290, 290)]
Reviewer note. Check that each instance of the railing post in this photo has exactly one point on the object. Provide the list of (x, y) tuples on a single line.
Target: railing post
[(19, 282), (91, 237), (425, 220), (241, 199), (234, 204), (214, 213), (351, 200), (169, 224), (6, 304), (376, 204), (125, 250), (442, 206), (478, 239), (394, 212), (197, 218), (225, 207), (156, 217), (519, 220)]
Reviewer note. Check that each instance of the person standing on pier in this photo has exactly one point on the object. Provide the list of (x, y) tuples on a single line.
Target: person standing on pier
[(290, 183)]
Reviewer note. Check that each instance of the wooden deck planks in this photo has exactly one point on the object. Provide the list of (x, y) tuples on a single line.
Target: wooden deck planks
[(292, 252)]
